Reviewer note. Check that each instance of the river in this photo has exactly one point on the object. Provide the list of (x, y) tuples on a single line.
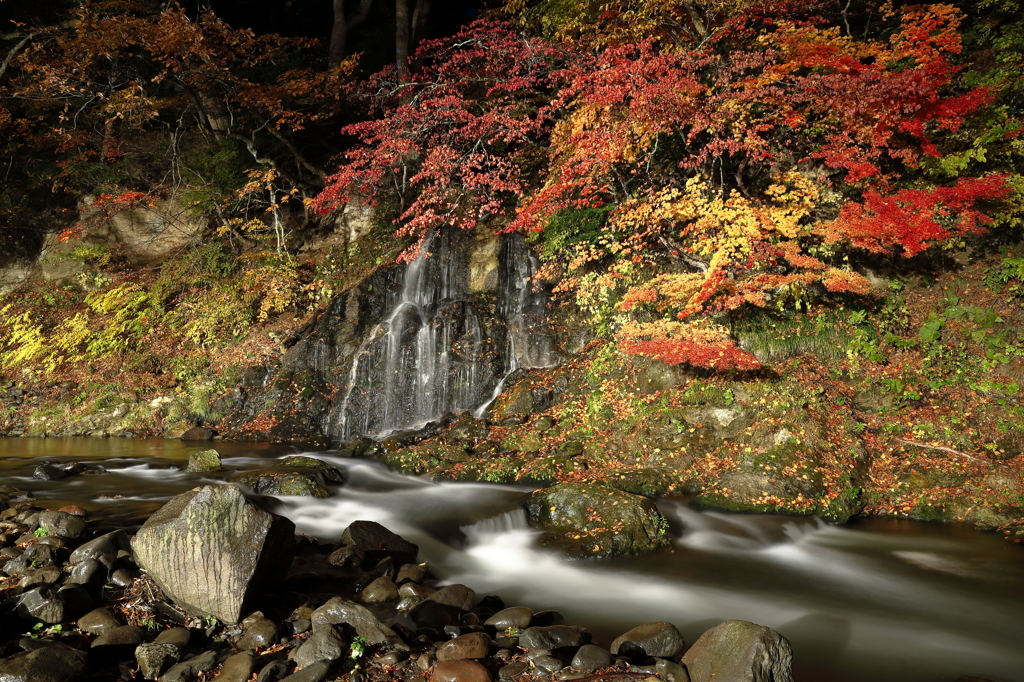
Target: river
[(881, 600)]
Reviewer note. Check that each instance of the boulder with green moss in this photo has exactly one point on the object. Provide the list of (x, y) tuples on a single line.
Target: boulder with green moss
[(329, 473), (593, 520), (199, 462), (269, 482)]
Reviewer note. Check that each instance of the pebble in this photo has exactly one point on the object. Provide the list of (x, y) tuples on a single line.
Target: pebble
[(325, 644), (381, 589), (42, 603), (97, 621), (414, 573), (273, 671), (459, 596), (237, 668), (125, 635), (426, 661), (547, 664), (179, 637), (74, 509), (590, 657), (260, 632), (472, 645), (155, 658), (55, 663), (460, 671), (314, 673), (518, 617), (660, 639), (61, 524), (553, 637), (190, 669), (511, 670)]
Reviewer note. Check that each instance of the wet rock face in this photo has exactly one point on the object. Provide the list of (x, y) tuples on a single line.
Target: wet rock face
[(738, 650), (410, 345), (596, 521), (213, 552)]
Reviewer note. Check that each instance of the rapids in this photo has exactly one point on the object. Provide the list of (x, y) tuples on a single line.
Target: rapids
[(879, 600)]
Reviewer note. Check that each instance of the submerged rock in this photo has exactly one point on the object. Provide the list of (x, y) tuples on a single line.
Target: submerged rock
[(214, 552)]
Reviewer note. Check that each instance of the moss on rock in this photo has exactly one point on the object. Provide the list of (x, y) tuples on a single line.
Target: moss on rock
[(597, 521)]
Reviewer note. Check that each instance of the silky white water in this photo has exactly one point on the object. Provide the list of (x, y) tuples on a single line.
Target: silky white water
[(880, 601)]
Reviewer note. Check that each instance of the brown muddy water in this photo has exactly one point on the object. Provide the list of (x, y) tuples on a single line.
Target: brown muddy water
[(877, 600)]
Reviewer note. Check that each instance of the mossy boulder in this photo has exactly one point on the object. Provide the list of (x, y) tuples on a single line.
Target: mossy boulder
[(329, 473), (465, 428), (593, 520), (516, 402), (649, 482), (786, 475), (207, 460), (270, 482)]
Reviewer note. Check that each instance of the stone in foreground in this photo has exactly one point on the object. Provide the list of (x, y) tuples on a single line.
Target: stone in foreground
[(55, 663), (740, 651), (660, 639), (213, 552)]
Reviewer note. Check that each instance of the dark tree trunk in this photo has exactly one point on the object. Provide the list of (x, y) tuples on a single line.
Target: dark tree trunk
[(342, 26), (402, 26)]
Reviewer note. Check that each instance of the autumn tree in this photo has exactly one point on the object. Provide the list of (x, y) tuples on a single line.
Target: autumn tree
[(749, 170), (691, 173), (455, 141), (120, 96)]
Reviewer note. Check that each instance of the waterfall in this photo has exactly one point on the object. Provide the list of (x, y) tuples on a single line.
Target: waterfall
[(440, 348)]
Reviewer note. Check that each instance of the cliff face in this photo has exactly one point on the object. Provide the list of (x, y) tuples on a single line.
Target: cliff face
[(409, 346)]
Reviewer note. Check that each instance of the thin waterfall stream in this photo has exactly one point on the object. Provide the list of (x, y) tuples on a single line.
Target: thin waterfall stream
[(437, 351)]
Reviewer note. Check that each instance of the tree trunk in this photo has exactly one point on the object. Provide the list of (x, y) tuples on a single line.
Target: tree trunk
[(402, 25), (340, 30), (339, 35), (420, 18)]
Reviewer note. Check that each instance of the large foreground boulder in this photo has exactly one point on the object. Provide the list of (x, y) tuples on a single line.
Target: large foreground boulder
[(739, 651), (212, 551), (590, 520)]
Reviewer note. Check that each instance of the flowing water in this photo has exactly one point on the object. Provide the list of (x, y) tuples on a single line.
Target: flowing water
[(442, 348), (879, 601)]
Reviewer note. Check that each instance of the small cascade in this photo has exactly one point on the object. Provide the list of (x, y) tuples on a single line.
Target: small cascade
[(439, 349), (508, 522)]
